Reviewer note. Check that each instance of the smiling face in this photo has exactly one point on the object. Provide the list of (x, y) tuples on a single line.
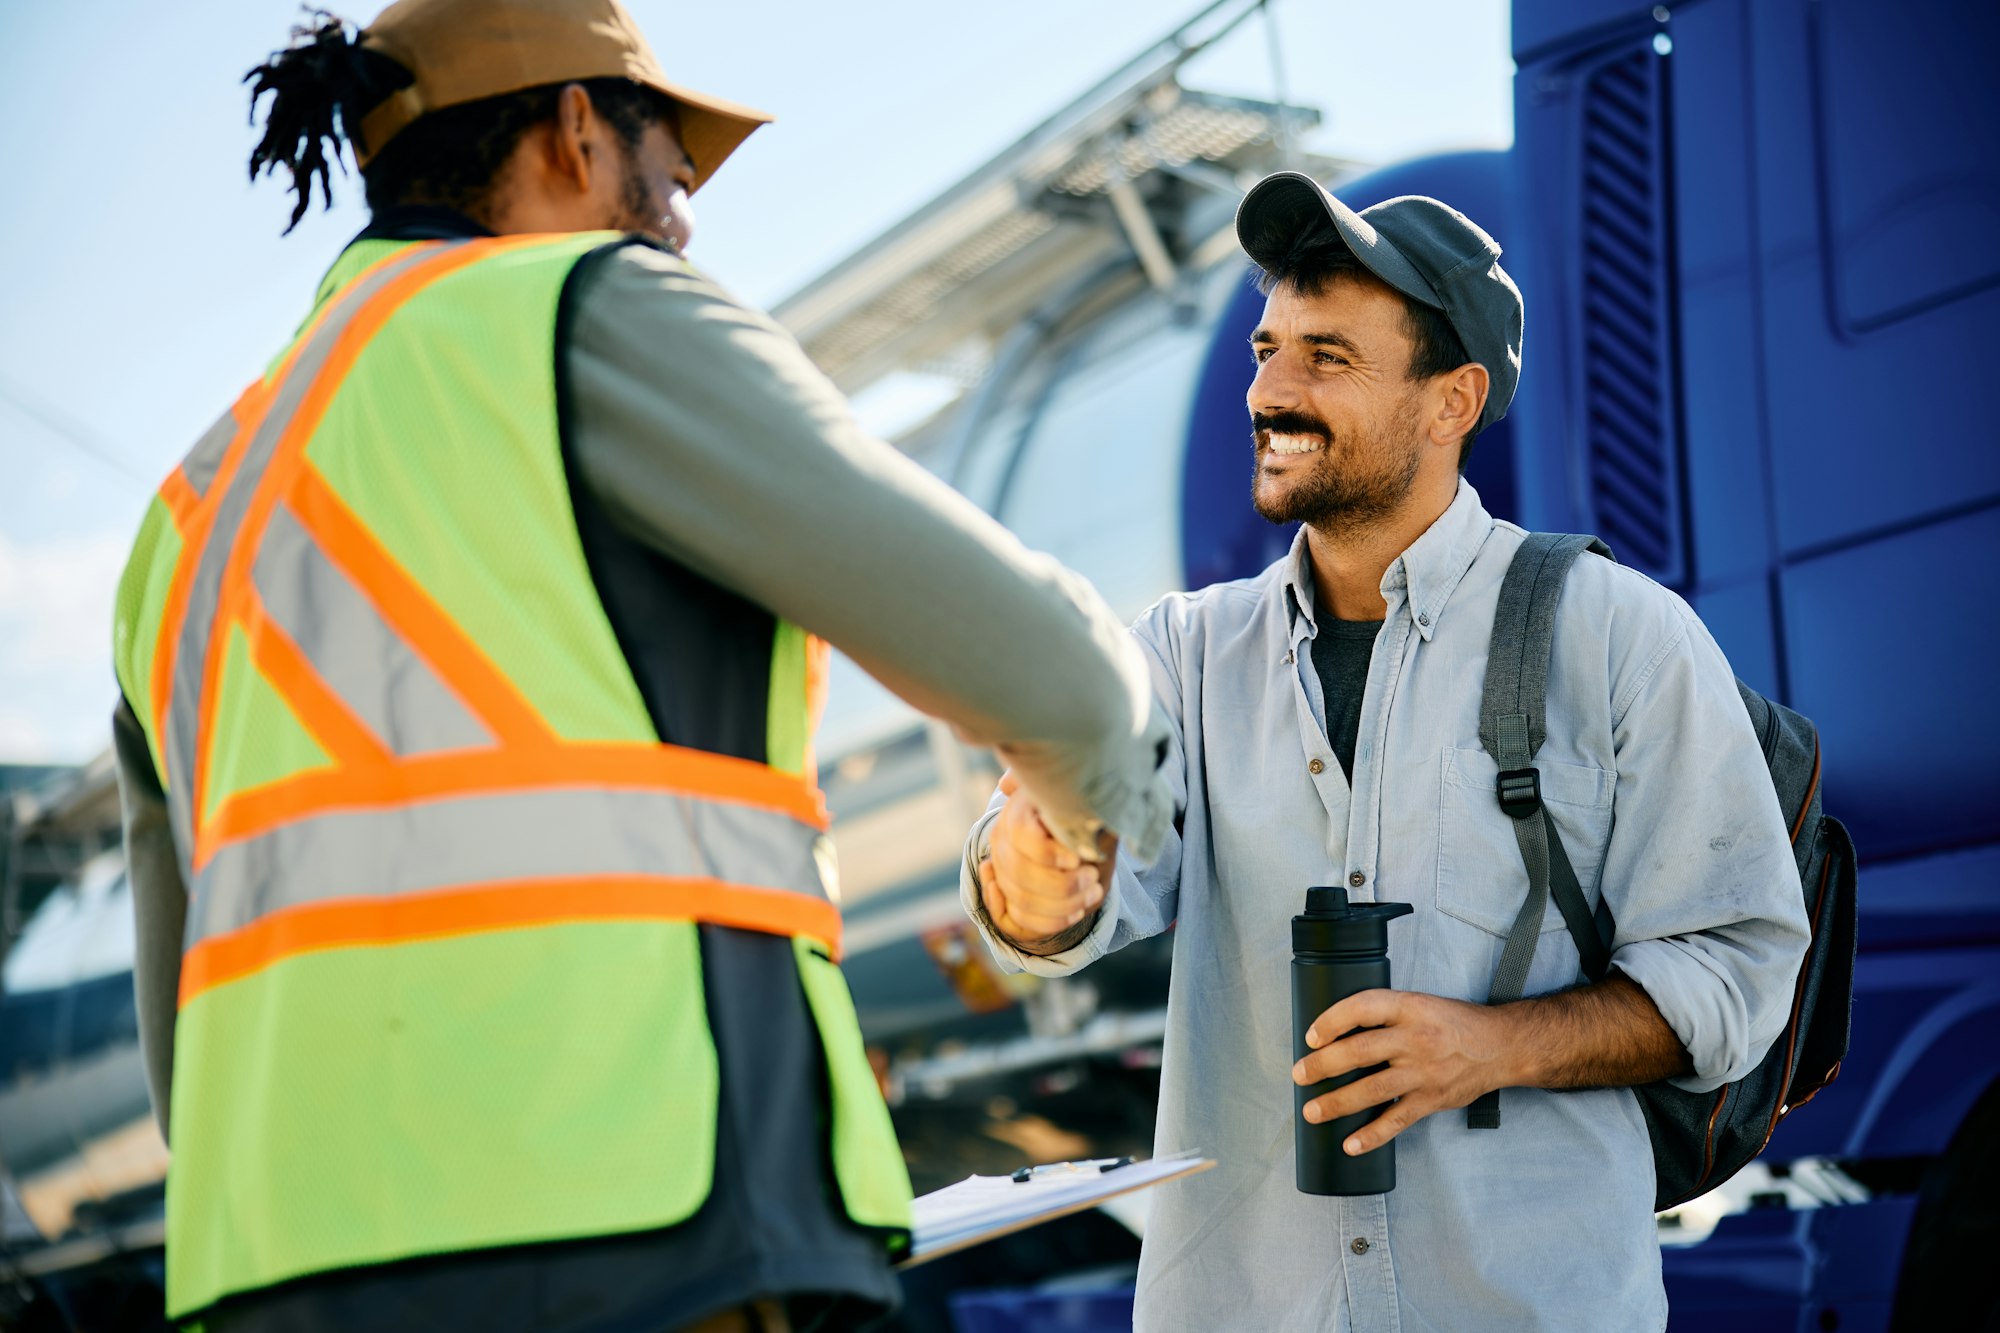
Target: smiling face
[(1337, 425)]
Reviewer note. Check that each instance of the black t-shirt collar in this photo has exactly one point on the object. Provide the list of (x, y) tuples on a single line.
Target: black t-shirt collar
[(420, 222)]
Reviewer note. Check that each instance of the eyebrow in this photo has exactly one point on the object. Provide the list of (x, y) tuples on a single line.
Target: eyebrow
[(1263, 335)]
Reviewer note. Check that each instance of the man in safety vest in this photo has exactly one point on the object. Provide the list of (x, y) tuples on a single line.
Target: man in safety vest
[(488, 936)]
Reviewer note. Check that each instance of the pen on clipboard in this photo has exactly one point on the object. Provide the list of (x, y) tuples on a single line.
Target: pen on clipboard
[(1022, 1175)]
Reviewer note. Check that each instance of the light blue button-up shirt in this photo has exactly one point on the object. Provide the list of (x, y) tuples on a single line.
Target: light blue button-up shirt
[(1666, 808)]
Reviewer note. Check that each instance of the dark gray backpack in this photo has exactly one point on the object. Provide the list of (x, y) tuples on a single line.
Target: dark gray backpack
[(1699, 1139)]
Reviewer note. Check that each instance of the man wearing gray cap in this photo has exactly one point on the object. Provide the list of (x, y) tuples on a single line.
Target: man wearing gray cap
[(1326, 718)]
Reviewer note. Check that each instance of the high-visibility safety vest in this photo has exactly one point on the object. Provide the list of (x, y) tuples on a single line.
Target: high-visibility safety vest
[(441, 983)]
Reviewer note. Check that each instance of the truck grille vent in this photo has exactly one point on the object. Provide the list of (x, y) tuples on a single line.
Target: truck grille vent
[(1628, 381)]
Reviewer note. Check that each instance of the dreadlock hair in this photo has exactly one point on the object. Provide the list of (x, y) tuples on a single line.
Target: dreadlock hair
[(1318, 257), (326, 82)]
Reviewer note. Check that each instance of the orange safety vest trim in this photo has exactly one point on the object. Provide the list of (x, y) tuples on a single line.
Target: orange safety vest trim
[(274, 421), (396, 920)]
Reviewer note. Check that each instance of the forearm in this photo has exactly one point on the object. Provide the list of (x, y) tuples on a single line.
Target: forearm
[(1605, 1035), (709, 437), (1053, 944)]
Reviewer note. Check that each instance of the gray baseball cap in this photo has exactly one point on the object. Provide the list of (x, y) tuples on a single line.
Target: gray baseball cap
[(1426, 250)]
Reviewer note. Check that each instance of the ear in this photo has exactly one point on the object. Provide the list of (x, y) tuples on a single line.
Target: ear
[(570, 159), (1463, 399)]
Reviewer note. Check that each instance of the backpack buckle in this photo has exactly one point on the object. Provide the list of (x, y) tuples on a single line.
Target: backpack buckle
[(1521, 792)]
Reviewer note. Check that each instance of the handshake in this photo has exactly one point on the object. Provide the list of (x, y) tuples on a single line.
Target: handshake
[(1043, 896)]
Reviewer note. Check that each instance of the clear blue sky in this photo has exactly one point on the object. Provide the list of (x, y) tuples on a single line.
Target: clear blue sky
[(143, 281)]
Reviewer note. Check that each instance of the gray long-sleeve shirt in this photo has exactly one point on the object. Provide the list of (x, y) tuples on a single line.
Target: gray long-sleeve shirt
[(1654, 777), (708, 435)]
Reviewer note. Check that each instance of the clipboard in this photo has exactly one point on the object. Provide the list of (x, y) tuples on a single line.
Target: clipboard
[(981, 1208)]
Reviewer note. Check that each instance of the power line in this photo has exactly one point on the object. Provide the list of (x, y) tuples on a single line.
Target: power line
[(70, 431), (1285, 139)]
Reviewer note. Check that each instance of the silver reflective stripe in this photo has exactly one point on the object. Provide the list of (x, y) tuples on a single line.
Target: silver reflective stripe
[(202, 461), (446, 844), (191, 650), (363, 660)]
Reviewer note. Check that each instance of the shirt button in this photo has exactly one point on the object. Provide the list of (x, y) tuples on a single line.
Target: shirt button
[(1357, 879), (1423, 617), (1359, 1245), (1315, 768)]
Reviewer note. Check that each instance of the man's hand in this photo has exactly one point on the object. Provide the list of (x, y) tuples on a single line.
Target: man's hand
[(1445, 1053), (1440, 1054), (1038, 893)]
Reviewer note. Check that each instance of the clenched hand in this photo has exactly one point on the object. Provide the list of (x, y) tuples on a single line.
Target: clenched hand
[(1440, 1054), (1038, 893)]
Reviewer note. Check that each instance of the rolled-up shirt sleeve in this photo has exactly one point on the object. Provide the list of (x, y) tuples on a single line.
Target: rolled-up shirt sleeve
[(708, 435), (1143, 899), (1699, 872)]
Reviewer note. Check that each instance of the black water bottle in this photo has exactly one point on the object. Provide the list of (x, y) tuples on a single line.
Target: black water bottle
[(1338, 949)]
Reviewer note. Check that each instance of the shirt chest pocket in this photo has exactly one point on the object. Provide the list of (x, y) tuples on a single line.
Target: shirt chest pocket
[(1481, 878)]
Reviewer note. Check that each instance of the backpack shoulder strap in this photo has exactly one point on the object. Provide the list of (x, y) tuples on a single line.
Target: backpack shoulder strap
[(1512, 712), (1512, 726)]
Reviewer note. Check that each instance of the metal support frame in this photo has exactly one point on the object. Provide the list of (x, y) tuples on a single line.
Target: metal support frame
[(1147, 243)]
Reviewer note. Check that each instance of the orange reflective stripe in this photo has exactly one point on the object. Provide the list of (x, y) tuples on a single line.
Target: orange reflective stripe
[(719, 777), (326, 308), (353, 337), (430, 777), (322, 712), (232, 603), (248, 409), (477, 908), (460, 663), (177, 493)]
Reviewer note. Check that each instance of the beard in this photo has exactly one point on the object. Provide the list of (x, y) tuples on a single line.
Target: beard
[(639, 208), (1355, 481), (642, 209)]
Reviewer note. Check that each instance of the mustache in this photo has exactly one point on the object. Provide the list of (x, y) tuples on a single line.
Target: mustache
[(1287, 423)]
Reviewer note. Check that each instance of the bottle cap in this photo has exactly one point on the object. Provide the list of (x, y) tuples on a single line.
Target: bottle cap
[(1331, 924)]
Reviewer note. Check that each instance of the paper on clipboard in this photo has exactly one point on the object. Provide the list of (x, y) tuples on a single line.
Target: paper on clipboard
[(979, 1208)]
